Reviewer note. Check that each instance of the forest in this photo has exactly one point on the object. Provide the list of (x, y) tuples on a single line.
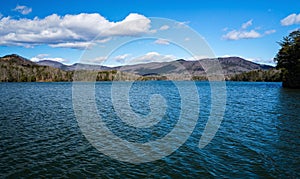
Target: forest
[(14, 71)]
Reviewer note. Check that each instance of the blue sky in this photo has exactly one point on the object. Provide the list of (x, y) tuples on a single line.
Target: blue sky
[(61, 30)]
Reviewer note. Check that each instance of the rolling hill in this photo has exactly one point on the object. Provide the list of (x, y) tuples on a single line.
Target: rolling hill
[(14, 68)]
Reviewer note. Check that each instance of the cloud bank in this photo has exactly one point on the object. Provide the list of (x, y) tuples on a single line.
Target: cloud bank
[(70, 31)]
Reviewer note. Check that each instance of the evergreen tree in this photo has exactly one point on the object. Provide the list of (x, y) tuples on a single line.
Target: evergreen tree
[(288, 59)]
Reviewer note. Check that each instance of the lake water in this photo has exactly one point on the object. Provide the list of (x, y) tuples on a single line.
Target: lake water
[(258, 137)]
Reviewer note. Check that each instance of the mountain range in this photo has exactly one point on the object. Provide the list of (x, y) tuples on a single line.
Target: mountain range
[(230, 66), (17, 68)]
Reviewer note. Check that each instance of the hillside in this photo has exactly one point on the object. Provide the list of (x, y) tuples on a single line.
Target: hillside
[(16, 68), (17, 60), (75, 66)]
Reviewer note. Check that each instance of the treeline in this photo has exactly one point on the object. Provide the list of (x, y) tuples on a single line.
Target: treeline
[(20, 70), (35, 73), (49, 74), (271, 75), (113, 75), (10, 72), (16, 72)]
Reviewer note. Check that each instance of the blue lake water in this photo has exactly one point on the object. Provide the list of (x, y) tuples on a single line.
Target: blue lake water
[(258, 137)]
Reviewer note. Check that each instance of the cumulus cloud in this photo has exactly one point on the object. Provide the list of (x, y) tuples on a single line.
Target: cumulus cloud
[(133, 25), (247, 24), (236, 35), (152, 57), (243, 33), (164, 27), (121, 58), (162, 42), (23, 9), (70, 31), (42, 57), (291, 20)]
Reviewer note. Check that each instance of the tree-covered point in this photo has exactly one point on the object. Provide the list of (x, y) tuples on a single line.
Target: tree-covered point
[(271, 75), (288, 60)]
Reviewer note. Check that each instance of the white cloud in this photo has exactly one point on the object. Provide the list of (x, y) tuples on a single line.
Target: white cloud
[(152, 57), (75, 45), (164, 27), (73, 31), (270, 31), (97, 60), (152, 31), (133, 25), (104, 40), (261, 61), (107, 61), (291, 20), (121, 58), (247, 24), (241, 34), (162, 42), (41, 57), (23, 9), (38, 57), (226, 55)]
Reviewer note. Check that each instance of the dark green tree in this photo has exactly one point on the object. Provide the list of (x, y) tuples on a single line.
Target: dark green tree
[(288, 59)]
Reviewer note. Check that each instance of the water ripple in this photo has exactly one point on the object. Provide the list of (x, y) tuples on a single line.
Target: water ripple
[(259, 136)]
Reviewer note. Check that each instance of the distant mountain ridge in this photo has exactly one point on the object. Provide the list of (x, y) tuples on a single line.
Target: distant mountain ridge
[(17, 68), (230, 65), (75, 66)]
